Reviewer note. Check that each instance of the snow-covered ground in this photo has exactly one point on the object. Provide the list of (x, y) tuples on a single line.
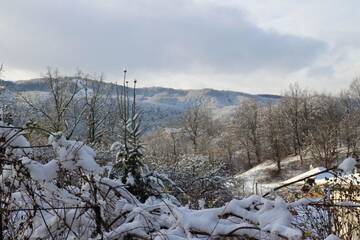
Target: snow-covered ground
[(309, 173), (263, 177)]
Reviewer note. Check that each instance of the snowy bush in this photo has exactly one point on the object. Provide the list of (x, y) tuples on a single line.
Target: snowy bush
[(198, 179), (69, 198), (334, 206)]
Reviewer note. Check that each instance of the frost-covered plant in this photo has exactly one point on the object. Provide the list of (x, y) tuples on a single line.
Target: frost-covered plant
[(198, 179), (69, 197), (129, 167), (92, 206)]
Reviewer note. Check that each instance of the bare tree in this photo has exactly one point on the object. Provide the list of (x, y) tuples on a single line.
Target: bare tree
[(98, 108), (354, 92), (248, 128), (161, 145), (60, 110), (195, 122), (296, 109), (349, 130), (226, 146), (323, 139), (274, 133)]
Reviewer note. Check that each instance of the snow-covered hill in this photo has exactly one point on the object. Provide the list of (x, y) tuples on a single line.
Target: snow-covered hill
[(161, 105)]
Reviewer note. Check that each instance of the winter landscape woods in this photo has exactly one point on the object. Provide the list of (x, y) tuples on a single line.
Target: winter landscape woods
[(77, 163), (179, 120)]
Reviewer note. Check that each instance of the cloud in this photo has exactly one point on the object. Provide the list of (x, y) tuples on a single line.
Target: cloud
[(146, 36), (321, 71)]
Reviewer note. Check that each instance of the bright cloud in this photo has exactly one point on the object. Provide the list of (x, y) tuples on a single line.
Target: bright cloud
[(255, 46)]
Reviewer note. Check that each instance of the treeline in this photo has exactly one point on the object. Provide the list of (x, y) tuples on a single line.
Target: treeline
[(301, 122), (198, 152)]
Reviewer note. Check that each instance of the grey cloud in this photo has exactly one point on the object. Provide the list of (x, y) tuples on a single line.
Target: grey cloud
[(162, 35), (321, 71)]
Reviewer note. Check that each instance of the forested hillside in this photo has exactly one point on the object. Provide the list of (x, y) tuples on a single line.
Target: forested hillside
[(79, 161)]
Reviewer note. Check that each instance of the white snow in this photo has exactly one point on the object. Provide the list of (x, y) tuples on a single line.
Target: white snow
[(258, 176), (39, 171), (72, 154), (15, 141), (309, 173), (201, 203), (348, 165), (130, 179), (255, 217), (332, 237)]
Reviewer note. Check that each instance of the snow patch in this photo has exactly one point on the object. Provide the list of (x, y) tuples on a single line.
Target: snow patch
[(72, 154), (332, 237), (348, 165)]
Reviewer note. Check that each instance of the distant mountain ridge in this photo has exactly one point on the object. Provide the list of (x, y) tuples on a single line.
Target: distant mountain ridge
[(160, 104)]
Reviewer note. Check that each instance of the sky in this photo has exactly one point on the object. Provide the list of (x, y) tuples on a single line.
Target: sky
[(244, 45)]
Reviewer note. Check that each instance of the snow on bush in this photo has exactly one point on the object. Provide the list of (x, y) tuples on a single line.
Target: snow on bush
[(348, 165), (69, 198), (199, 180), (332, 237), (72, 154)]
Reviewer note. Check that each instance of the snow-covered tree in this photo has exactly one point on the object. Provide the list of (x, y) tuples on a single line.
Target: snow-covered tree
[(71, 197), (128, 167), (59, 110)]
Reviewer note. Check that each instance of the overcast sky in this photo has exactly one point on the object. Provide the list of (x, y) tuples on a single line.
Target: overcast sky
[(251, 46)]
